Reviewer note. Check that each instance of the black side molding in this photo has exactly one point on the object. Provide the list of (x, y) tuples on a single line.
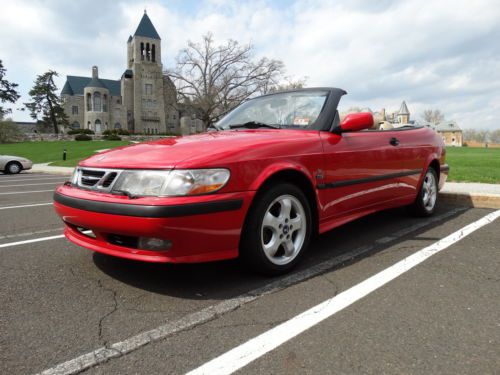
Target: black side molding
[(332, 185), (146, 210)]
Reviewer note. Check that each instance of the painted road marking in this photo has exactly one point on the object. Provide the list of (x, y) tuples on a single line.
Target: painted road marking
[(10, 244), (242, 355), (26, 192), (26, 205), (121, 348), (42, 183), (33, 179), (31, 233)]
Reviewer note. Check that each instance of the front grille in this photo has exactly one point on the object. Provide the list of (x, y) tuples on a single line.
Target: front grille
[(96, 178), (109, 179), (90, 177)]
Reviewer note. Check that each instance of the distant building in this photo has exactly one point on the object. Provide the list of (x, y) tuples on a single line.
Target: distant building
[(143, 100), (450, 132), (27, 127)]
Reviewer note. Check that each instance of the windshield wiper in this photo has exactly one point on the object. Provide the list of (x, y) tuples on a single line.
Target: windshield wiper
[(254, 125), (214, 126)]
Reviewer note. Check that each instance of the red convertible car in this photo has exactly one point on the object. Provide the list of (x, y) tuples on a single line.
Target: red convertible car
[(273, 172)]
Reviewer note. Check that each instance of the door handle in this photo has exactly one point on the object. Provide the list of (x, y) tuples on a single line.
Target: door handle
[(394, 141)]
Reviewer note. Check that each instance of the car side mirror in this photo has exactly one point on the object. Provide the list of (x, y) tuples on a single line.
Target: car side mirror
[(355, 122)]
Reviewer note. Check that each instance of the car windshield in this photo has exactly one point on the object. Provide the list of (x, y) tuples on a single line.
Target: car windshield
[(298, 110)]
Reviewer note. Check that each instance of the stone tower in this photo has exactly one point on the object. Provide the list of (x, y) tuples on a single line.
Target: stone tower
[(403, 114), (96, 96), (142, 82)]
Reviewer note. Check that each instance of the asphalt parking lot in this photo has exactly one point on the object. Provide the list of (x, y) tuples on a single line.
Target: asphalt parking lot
[(67, 310)]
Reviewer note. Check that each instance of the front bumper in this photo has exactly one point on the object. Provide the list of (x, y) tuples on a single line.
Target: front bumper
[(202, 228), (27, 164)]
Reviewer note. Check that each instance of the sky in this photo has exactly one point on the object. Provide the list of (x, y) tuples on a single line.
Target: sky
[(432, 54)]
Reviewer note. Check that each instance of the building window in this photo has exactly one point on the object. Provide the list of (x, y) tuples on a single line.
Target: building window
[(74, 110), (142, 51), (148, 89), (105, 103), (153, 53), (97, 102), (89, 102), (75, 125), (148, 52), (118, 125), (118, 101)]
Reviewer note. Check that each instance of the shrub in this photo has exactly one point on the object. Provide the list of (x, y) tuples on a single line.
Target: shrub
[(112, 137), (83, 137), (9, 132), (123, 132)]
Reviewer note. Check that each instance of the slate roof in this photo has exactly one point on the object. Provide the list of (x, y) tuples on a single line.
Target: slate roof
[(129, 39), (404, 109), (95, 82), (74, 85), (146, 28)]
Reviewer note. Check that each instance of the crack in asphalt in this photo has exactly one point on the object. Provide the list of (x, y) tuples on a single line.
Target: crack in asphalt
[(108, 314)]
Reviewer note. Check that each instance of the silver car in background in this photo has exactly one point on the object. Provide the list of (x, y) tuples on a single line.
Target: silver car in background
[(14, 164)]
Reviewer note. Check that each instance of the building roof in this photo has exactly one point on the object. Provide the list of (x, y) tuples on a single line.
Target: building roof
[(74, 85), (448, 126), (95, 82), (129, 39), (146, 28), (404, 109)]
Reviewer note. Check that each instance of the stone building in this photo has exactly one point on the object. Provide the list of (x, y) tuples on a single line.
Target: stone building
[(450, 132), (143, 100)]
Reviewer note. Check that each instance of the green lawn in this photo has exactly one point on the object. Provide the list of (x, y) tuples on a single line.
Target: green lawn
[(46, 152), (469, 164)]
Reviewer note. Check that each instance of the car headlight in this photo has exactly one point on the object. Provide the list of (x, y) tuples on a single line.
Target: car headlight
[(171, 183), (74, 176)]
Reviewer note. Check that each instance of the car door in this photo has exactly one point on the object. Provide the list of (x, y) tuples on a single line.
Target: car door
[(361, 171)]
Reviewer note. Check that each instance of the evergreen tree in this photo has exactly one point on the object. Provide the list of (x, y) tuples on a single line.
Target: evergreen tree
[(46, 102), (8, 92)]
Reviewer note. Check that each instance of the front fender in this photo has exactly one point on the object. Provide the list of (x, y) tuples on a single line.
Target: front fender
[(278, 167)]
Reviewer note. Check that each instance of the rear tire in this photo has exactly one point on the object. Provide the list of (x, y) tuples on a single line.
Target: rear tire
[(277, 230), (13, 167), (427, 198)]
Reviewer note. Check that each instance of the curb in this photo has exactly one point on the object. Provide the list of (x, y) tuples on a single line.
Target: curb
[(471, 199), (44, 168)]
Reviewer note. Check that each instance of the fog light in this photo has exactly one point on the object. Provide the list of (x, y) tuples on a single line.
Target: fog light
[(157, 244)]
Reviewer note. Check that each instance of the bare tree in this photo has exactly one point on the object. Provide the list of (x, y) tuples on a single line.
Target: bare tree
[(288, 83), (495, 136), (216, 78), (433, 116)]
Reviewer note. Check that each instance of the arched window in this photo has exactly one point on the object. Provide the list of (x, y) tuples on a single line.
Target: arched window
[(142, 51), (97, 102), (148, 52), (153, 53), (98, 125), (118, 125), (89, 102), (75, 125), (89, 125), (105, 103)]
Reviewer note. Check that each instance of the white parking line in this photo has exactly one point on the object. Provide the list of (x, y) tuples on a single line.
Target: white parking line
[(41, 183), (26, 192), (34, 179), (31, 233), (10, 244), (121, 348), (242, 355), (26, 205)]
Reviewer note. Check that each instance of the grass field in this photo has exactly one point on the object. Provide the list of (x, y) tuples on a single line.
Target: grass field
[(46, 152), (469, 164)]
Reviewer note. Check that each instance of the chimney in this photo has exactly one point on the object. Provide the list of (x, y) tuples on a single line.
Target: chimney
[(382, 114), (95, 72)]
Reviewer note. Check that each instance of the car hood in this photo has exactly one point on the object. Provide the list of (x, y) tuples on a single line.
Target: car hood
[(12, 157), (200, 150)]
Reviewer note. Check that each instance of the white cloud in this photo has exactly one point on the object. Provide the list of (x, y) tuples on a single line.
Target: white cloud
[(441, 54)]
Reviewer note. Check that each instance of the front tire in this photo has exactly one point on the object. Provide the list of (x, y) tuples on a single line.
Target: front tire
[(426, 201), (277, 231), (13, 167)]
